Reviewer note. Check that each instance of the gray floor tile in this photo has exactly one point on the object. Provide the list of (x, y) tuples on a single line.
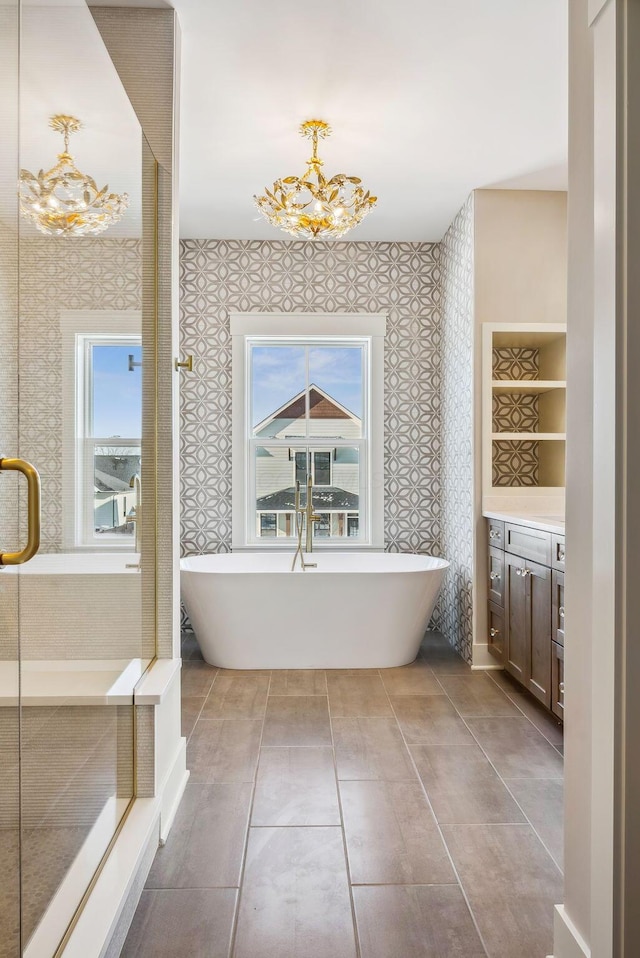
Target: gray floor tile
[(544, 721), (224, 750), (190, 710), (357, 695), (197, 677), (298, 682), (516, 748), (297, 720), (542, 801), (238, 696), (295, 899), (430, 720), (206, 843), (392, 836), (296, 786), (512, 885), (414, 679), (371, 749), (415, 921), (462, 786), (173, 923), (476, 694)]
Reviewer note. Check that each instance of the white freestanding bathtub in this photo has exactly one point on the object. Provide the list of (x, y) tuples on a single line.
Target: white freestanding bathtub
[(354, 611)]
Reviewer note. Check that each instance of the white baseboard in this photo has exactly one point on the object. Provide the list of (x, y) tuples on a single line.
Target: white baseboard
[(482, 657), (173, 789), (567, 940)]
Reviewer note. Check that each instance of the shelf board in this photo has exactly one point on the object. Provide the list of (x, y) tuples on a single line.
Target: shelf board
[(529, 436), (527, 385)]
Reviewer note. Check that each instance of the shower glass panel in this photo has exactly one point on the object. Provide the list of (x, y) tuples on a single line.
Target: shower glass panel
[(83, 625), (9, 520)]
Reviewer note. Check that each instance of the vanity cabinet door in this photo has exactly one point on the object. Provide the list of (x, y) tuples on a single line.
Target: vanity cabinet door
[(557, 680), (557, 627), (516, 618), (496, 639), (496, 533), (528, 620), (557, 552), (496, 577), (538, 587)]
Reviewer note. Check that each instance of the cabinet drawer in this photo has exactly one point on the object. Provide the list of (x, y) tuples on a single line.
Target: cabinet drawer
[(557, 605), (531, 544), (496, 577), (557, 680), (496, 533), (557, 552), (496, 637)]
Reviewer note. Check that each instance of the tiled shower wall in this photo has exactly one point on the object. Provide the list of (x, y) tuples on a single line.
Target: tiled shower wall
[(399, 279), (57, 275), (457, 430)]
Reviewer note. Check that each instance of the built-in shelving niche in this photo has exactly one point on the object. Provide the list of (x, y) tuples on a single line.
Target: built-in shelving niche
[(524, 407)]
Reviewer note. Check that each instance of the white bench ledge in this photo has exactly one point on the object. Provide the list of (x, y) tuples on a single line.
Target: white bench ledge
[(156, 681)]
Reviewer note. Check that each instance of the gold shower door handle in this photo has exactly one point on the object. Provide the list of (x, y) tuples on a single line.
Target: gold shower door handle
[(187, 364), (33, 511)]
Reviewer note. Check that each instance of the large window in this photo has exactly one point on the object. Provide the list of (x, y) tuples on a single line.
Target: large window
[(109, 426), (306, 412)]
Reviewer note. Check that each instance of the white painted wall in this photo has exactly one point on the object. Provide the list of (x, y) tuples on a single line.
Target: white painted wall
[(520, 276)]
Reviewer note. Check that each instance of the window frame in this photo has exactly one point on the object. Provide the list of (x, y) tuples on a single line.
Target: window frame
[(87, 443), (106, 327), (324, 329)]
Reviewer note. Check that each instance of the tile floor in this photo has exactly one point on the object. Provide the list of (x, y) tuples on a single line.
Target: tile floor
[(402, 813)]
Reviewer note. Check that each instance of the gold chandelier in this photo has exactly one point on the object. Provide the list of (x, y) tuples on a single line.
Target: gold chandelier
[(311, 206), (65, 202)]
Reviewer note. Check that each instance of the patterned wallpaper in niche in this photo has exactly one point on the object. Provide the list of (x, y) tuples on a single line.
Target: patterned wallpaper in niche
[(515, 413), (456, 600), (515, 463), (515, 362), (399, 279)]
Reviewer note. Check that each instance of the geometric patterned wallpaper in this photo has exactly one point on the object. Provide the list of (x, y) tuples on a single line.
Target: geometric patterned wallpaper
[(517, 412), (458, 429), (515, 362), (399, 279), (515, 463)]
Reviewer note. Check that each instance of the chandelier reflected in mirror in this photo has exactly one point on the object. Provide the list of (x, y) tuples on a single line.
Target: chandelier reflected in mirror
[(311, 206), (64, 201)]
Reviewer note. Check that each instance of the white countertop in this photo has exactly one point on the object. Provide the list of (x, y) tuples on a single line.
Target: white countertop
[(545, 523)]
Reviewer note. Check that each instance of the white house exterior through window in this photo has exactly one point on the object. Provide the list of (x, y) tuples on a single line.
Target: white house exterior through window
[(304, 407)]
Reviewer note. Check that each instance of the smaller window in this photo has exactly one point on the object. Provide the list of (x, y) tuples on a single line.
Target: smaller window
[(268, 525), (322, 468), (109, 413), (300, 468)]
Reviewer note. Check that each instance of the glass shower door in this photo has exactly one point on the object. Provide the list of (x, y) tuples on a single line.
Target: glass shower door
[(82, 624), (10, 946)]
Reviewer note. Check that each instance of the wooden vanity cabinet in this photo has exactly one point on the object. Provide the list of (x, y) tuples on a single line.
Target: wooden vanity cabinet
[(526, 611), (528, 614)]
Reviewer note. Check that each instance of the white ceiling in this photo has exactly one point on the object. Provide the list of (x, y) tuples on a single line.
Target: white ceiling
[(65, 68), (428, 99)]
